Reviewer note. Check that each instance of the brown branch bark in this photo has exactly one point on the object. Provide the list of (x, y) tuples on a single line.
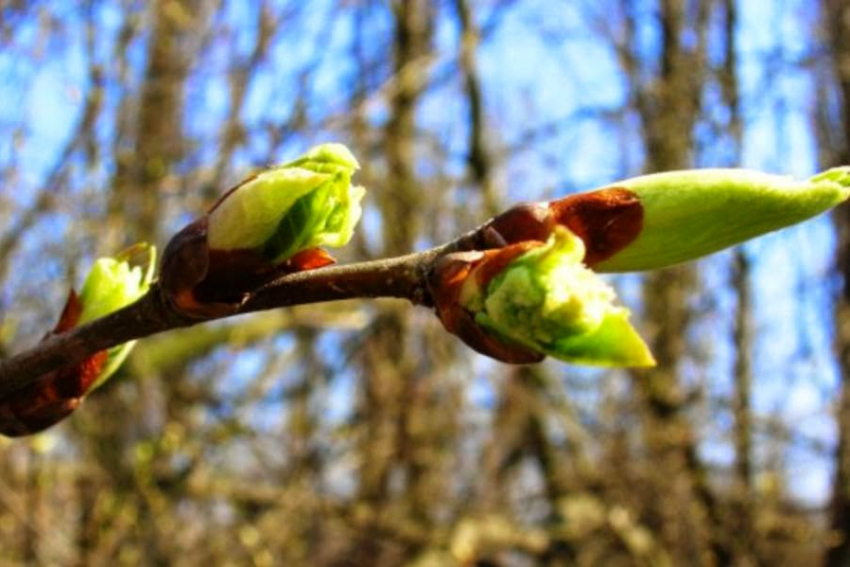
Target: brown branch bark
[(400, 277), (392, 398)]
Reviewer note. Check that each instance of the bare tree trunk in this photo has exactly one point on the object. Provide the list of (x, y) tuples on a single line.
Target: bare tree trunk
[(836, 16), (158, 141), (150, 144), (743, 524), (33, 493), (390, 392), (477, 158), (839, 554), (743, 331), (86, 538), (743, 535), (684, 509)]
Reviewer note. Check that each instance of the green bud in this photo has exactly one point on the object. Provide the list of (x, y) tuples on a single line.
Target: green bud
[(113, 283), (306, 203), (327, 158), (688, 214), (548, 301)]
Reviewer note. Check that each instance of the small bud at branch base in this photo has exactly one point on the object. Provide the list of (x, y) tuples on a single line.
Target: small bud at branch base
[(112, 284)]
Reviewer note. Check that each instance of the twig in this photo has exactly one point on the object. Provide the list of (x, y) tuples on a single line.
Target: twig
[(402, 277)]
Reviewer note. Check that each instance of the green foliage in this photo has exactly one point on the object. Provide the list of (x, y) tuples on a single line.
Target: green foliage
[(305, 203), (114, 283), (689, 214), (548, 301)]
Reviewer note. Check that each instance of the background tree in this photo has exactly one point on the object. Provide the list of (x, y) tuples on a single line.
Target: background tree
[(362, 433)]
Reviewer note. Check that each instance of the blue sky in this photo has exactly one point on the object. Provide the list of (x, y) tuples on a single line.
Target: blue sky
[(531, 80)]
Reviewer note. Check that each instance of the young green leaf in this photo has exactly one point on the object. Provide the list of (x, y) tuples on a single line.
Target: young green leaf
[(114, 283), (305, 203), (272, 224), (546, 300), (689, 214)]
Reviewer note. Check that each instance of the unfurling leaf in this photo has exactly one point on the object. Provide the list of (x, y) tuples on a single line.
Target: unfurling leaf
[(112, 283), (689, 214), (271, 224), (542, 298), (522, 287)]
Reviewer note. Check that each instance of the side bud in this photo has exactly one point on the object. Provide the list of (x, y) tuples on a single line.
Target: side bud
[(112, 283), (303, 204), (271, 224), (536, 299)]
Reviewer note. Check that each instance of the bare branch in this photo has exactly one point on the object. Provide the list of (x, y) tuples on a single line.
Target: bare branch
[(402, 277)]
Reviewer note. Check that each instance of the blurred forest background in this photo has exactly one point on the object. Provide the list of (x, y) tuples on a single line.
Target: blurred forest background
[(360, 434)]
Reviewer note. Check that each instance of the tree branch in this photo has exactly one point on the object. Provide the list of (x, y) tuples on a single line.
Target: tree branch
[(402, 277)]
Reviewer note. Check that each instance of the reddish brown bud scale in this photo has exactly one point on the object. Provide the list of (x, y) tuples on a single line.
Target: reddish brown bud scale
[(185, 262), (310, 259), (489, 345), (56, 395), (200, 281), (75, 382), (233, 273), (606, 220), (34, 418), (446, 282), (526, 221), (70, 313)]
